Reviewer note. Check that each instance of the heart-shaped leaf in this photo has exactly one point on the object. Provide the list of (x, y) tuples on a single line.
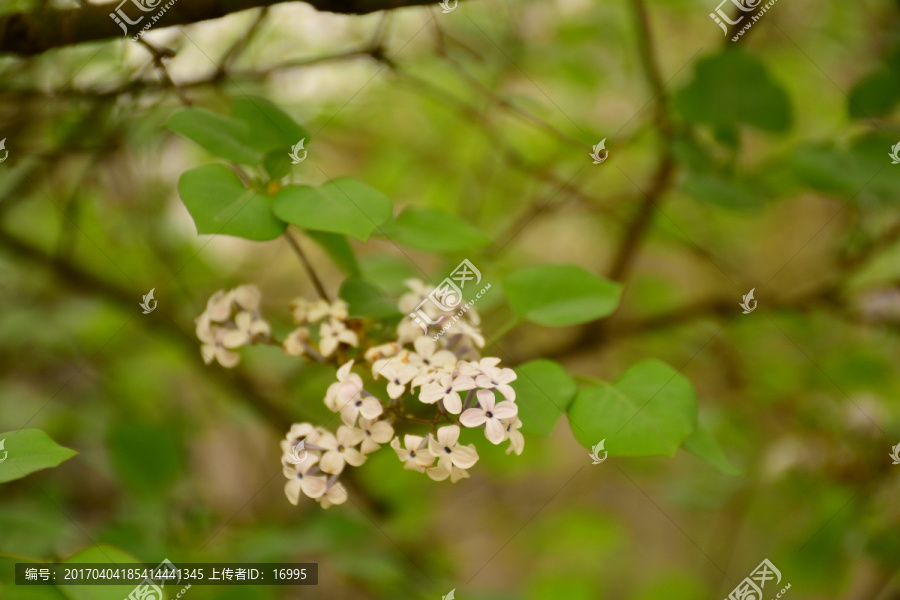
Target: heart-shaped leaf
[(650, 410), (220, 204), (219, 135), (559, 295), (432, 231), (342, 205), (543, 392), (25, 451), (272, 128)]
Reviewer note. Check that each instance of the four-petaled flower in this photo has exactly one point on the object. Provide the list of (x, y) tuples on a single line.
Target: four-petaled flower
[(446, 448), (415, 457), (489, 414), (301, 480), (340, 449), (446, 388), (333, 333)]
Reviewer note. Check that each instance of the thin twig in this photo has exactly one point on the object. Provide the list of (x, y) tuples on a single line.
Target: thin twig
[(306, 264)]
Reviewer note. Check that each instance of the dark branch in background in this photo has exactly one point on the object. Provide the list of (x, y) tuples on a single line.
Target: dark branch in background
[(30, 33)]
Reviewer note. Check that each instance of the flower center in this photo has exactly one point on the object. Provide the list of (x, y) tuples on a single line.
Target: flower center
[(340, 447), (447, 450), (489, 414)]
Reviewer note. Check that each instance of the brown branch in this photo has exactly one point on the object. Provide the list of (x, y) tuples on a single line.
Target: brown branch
[(30, 33)]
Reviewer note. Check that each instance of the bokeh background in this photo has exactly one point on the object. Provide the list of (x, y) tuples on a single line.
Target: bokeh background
[(758, 164)]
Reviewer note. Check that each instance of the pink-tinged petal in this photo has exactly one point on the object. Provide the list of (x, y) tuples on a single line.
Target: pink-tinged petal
[(327, 346), (464, 456), (493, 431), (424, 458), (473, 417), (344, 371), (505, 410), (369, 445), (507, 391), (448, 435), (371, 408), (332, 462), (227, 359), (464, 382), (486, 399), (354, 457), (292, 491), (381, 432), (453, 403), (314, 486), (431, 393), (438, 473)]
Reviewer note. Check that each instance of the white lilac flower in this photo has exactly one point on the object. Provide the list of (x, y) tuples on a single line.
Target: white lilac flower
[(218, 307), (495, 378), (376, 433), (415, 456), (471, 331), (296, 342), (383, 351), (335, 495), (333, 333), (248, 328), (489, 414), (445, 447), (398, 375), (516, 439), (301, 480), (340, 449), (428, 354), (213, 347), (475, 368), (442, 471), (446, 389), (345, 390), (369, 407), (247, 297), (409, 302)]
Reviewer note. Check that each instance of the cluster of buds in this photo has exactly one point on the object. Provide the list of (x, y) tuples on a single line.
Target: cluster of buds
[(442, 385)]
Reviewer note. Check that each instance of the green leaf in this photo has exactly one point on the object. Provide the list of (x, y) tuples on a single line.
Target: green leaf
[(220, 204), (343, 205), (432, 231), (218, 135), (102, 554), (650, 410), (277, 164), (732, 88), (271, 127), (339, 249), (543, 392), (367, 300), (875, 95), (559, 295), (147, 457), (25, 451), (702, 444), (726, 192)]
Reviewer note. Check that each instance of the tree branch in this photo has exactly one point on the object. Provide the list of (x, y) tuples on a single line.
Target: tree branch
[(30, 33)]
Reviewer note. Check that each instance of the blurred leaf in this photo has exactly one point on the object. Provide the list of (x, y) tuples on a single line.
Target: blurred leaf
[(554, 587), (367, 300), (559, 295), (343, 205), (100, 554), (677, 586), (339, 249), (220, 204), (650, 410), (543, 392), (875, 95), (702, 444), (147, 458), (731, 88), (432, 231), (277, 164), (220, 136), (725, 192), (24, 451), (272, 129)]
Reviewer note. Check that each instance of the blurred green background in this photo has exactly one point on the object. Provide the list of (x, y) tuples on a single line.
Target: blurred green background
[(759, 164)]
